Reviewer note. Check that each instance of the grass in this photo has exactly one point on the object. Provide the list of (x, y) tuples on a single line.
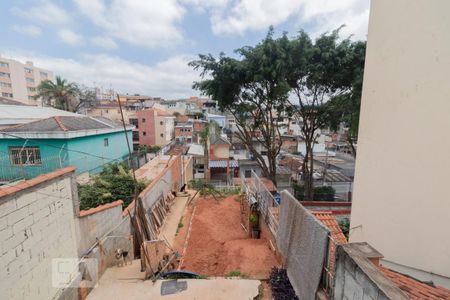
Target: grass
[(236, 273), (180, 225)]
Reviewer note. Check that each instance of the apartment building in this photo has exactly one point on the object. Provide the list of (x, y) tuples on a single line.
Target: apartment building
[(19, 81), (155, 126), (401, 202)]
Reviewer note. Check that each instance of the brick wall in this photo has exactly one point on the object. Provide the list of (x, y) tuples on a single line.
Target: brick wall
[(36, 225)]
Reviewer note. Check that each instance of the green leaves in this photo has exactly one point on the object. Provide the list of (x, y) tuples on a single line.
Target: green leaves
[(58, 94), (114, 183)]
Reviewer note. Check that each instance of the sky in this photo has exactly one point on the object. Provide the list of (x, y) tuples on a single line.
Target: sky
[(144, 46)]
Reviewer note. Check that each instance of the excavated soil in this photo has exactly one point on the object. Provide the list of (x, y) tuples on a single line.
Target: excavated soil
[(217, 243)]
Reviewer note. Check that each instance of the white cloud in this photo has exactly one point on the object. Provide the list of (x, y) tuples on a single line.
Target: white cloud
[(28, 30), (45, 11), (171, 78), (70, 37), (104, 42), (240, 16), (149, 23)]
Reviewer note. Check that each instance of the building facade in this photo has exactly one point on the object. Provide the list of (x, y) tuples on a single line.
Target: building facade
[(400, 203), (43, 146), (19, 81), (155, 126)]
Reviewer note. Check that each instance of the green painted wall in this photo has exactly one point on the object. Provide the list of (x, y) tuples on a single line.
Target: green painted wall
[(60, 153)]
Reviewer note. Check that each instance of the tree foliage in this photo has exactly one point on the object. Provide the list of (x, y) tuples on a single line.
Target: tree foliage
[(292, 77), (254, 90), (319, 71), (58, 94), (114, 183)]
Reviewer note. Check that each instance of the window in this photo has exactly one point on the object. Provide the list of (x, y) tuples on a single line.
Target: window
[(44, 75), (161, 123), (25, 156), (161, 135), (248, 173), (31, 89), (106, 142), (7, 95), (106, 111), (30, 80), (4, 64), (31, 98), (6, 75), (28, 70), (144, 133), (5, 85), (143, 120)]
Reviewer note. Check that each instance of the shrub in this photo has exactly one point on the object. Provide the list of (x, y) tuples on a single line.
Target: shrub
[(321, 193), (280, 285), (114, 183)]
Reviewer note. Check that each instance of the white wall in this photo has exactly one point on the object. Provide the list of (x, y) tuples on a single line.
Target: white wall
[(401, 200), (34, 229)]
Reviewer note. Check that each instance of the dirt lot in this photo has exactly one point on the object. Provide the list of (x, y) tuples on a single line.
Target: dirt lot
[(218, 245)]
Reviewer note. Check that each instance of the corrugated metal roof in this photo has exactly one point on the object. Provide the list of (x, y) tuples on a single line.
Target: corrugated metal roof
[(32, 112), (222, 163)]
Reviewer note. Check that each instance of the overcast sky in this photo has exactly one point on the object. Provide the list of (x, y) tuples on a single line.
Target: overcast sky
[(143, 46)]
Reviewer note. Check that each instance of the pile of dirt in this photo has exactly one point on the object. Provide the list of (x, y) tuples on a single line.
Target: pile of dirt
[(218, 244)]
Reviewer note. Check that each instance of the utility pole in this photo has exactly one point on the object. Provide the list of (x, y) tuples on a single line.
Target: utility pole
[(325, 167)]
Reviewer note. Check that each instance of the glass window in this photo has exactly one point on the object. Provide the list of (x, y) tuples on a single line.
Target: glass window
[(8, 95), (5, 85), (106, 142), (25, 156), (31, 89), (143, 120), (44, 75), (28, 70), (4, 64), (3, 74), (30, 80), (144, 133), (161, 123), (162, 135)]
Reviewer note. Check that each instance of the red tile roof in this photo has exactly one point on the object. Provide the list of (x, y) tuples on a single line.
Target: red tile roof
[(327, 219), (415, 289)]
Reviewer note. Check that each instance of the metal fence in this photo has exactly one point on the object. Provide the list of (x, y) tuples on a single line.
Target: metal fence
[(13, 169), (255, 190)]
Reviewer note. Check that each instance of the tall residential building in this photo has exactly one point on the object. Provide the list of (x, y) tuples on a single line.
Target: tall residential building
[(19, 81), (401, 200)]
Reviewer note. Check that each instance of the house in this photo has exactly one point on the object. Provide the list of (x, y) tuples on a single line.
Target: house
[(184, 132), (41, 146), (198, 154), (221, 167), (219, 119), (155, 126)]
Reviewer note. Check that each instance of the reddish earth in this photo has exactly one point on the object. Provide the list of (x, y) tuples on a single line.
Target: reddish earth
[(218, 244)]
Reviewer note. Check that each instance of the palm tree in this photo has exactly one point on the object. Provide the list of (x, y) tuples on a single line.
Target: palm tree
[(59, 93)]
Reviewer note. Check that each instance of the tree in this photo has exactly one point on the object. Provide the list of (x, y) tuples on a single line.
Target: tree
[(210, 128), (318, 72), (58, 94), (254, 90), (345, 108), (86, 97)]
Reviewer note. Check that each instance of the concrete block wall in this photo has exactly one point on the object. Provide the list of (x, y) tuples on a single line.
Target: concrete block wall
[(358, 278), (36, 225), (96, 223)]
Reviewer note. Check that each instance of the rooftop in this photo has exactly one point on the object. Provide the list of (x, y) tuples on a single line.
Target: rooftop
[(20, 114), (416, 290), (327, 219), (63, 127)]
